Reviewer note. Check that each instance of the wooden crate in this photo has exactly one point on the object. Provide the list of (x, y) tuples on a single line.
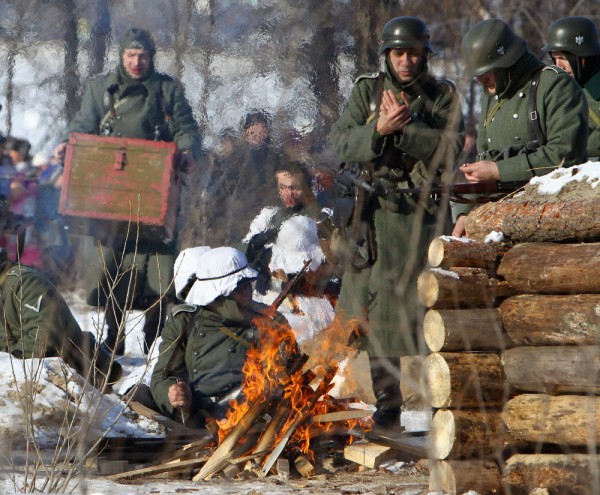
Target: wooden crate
[(111, 184)]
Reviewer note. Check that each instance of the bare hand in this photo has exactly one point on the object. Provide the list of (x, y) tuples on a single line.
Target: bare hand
[(459, 227), (479, 171), (180, 395), (394, 115), (59, 152)]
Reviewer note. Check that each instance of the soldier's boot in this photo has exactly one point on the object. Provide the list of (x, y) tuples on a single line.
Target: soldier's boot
[(385, 373), (154, 318), (115, 340)]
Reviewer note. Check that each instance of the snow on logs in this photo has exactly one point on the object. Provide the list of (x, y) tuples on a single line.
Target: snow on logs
[(563, 206), (482, 325)]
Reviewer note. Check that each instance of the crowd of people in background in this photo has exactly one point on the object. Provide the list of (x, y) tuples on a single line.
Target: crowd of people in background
[(30, 193)]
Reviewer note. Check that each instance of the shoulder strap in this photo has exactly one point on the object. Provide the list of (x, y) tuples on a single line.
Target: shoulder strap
[(235, 337), (534, 121)]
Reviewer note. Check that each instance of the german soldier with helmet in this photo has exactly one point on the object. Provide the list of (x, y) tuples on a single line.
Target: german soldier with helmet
[(574, 46), (402, 126), (533, 117)]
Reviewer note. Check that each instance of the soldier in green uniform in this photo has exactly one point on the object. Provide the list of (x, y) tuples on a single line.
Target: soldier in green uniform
[(38, 323), (136, 101), (534, 118), (574, 46), (205, 341), (405, 129)]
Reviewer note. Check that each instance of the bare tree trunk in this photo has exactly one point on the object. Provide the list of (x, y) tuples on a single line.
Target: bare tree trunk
[(71, 83), (100, 36)]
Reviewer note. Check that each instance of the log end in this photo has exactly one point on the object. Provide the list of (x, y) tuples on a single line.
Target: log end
[(427, 289), (442, 435), (434, 331), (435, 381)]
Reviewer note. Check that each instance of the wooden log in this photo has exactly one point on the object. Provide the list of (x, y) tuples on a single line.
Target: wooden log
[(168, 423), (447, 252), (533, 319), (221, 456), (552, 268), (563, 420), (369, 454), (553, 369), (304, 466), (457, 477), (464, 380), (573, 474), (448, 330), (466, 434), (537, 221), (459, 288)]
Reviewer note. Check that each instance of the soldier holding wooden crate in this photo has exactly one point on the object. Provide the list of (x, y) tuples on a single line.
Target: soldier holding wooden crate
[(134, 101)]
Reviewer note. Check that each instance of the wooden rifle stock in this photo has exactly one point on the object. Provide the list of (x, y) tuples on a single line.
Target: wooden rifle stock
[(289, 285)]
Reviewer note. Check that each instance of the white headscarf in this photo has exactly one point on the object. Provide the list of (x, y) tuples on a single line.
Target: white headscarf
[(186, 265), (297, 242), (219, 272)]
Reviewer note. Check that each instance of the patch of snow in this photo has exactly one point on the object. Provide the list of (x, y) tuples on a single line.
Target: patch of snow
[(446, 273), (494, 236), (553, 182)]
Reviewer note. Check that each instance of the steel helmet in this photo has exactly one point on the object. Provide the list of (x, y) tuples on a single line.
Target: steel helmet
[(491, 44), (404, 32), (576, 35)]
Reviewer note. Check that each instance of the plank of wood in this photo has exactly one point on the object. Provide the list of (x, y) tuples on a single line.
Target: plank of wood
[(340, 416), (159, 469), (369, 454)]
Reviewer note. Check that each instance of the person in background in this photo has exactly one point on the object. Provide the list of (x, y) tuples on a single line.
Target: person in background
[(573, 45), (404, 129), (295, 197), (534, 118)]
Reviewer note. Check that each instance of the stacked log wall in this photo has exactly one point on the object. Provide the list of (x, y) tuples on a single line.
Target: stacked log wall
[(536, 308), (463, 378)]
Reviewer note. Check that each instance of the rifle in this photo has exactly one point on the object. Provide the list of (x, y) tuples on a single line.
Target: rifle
[(271, 310), (491, 190)]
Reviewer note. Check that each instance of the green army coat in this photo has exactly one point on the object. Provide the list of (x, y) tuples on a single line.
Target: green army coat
[(424, 153), (140, 106), (38, 323), (197, 341), (562, 115), (592, 92)]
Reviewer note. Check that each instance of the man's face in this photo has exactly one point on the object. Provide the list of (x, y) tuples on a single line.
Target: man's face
[(488, 81), (136, 62), (560, 59), (405, 62), (256, 134), (290, 187)]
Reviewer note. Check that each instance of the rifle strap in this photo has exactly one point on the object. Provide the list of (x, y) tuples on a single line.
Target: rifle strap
[(594, 117), (235, 337), (534, 121)]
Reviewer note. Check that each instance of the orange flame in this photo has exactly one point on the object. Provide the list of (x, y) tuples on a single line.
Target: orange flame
[(267, 377)]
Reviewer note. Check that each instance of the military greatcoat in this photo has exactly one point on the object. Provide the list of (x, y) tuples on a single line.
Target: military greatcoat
[(592, 92), (422, 154), (562, 114), (38, 323), (207, 349), (139, 106)]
